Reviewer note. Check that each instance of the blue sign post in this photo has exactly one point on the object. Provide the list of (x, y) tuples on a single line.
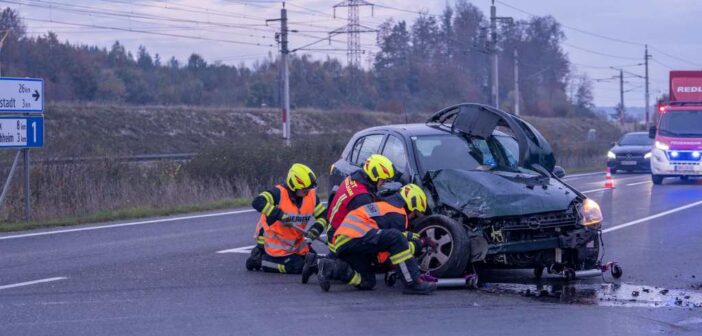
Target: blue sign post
[(24, 98), (22, 132)]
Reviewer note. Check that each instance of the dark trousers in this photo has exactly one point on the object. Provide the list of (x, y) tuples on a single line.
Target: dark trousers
[(361, 255), (289, 264)]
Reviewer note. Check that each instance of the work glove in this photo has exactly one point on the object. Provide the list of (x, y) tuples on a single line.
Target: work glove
[(424, 243), (411, 235), (315, 231), (286, 220)]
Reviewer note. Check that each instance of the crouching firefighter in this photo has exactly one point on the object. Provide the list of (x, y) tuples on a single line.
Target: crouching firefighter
[(378, 227), (286, 212), (356, 190)]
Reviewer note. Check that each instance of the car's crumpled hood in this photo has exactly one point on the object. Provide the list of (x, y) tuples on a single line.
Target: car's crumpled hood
[(480, 194)]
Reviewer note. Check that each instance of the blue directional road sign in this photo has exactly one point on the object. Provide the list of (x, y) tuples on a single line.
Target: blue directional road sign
[(22, 132), (23, 95)]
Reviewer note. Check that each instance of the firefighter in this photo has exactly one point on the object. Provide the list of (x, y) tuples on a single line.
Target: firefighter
[(373, 228), (356, 190), (286, 211)]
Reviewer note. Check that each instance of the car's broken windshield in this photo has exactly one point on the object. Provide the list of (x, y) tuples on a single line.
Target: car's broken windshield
[(450, 151)]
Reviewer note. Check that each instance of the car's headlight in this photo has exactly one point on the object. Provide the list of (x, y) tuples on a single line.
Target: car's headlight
[(647, 155), (662, 146), (611, 155), (592, 215)]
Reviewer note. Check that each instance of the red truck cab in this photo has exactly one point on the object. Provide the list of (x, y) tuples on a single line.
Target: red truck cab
[(677, 151)]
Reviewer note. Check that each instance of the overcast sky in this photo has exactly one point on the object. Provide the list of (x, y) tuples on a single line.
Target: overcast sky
[(670, 27)]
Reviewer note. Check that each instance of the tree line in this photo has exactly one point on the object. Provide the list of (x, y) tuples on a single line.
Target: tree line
[(424, 65)]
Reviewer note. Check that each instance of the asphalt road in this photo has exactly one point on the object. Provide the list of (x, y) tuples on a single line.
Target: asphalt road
[(165, 277)]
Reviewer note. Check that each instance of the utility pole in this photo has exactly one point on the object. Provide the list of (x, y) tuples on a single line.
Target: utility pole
[(516, 82), (621, 97), (353, 29), (282, 38), (494, 98), (648, 104), (492, 51)]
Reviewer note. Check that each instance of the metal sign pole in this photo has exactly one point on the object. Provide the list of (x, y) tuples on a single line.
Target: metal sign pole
[(27, 214)]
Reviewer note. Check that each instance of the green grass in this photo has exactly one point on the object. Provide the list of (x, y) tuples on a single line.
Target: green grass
[(122, 214)]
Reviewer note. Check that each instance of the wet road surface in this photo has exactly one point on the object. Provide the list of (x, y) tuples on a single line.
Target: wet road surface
[(165, 277)]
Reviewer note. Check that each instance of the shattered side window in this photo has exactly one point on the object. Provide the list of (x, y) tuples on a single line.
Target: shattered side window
[(366, 146), (395, 151)]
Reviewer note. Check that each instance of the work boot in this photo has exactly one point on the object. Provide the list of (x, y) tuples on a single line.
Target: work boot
[(253, 262), (310, 267), (325, 273), (419, 287)]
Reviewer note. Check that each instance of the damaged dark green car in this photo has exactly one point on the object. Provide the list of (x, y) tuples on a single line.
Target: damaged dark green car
[(495, 193)]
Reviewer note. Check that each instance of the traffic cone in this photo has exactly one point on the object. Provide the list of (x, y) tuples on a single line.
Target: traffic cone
[(609, 182)]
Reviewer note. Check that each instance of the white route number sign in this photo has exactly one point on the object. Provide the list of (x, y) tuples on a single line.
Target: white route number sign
[(23, 95)]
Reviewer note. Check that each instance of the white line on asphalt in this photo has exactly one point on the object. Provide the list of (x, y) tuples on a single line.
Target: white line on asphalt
[(577, 176), (162, 220), (32, 282), (243, 250), (665, 213), (593, 190), (637, 183)]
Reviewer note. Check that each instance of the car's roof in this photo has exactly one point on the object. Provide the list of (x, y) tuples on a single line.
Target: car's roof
[(414, 129), (637, 133)]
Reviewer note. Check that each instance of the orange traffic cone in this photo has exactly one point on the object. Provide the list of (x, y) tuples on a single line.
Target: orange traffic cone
[(609, 182)]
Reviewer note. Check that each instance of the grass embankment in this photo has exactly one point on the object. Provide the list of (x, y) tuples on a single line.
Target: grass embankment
[(240, 153), (122, 214)]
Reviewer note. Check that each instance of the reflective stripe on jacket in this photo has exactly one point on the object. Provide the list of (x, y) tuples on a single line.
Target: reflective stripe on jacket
[(360, 221), (279, 240), (338, 208)]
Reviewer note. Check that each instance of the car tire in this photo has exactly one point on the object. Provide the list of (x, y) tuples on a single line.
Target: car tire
[(657, 179), (453, 246)]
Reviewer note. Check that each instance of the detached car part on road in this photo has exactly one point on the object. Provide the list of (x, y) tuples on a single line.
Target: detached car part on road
[(495, 194)]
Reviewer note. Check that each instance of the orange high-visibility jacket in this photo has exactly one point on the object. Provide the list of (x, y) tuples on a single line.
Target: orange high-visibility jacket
[(279, 240), (358, 222)]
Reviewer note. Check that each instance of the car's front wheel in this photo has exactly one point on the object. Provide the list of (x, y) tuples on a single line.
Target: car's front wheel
[(452, 252), (657, 179)]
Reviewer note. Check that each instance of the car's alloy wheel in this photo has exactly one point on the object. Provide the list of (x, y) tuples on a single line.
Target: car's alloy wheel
[(444, 241)]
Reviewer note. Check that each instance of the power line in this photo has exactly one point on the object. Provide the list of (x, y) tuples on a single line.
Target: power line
[(675, 57), (77, 9), (613, 39), (597, 52), (151, 32)]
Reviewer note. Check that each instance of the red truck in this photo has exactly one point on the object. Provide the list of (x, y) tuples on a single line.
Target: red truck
[(678, 131)]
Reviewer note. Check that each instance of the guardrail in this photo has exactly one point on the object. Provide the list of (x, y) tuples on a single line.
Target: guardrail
[(128, 158)]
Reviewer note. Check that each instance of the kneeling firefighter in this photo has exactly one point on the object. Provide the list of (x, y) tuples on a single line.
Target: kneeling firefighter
[(286, 211), (356, 190), (378, 227)]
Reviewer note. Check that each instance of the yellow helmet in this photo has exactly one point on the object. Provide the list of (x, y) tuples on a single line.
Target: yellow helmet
[(414, 196), (378, 167), (300, 177)]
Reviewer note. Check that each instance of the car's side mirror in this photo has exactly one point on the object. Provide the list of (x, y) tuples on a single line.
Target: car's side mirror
[(614, 144), (652, 132), (559, 172)]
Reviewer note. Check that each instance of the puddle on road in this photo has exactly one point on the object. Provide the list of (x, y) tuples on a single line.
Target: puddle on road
[(609, 294)]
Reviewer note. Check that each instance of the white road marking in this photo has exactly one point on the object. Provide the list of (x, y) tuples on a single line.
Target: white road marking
[(593, 190), (162, 220), (28, 283), (242, 250), (578, 176), (646, 219), (247, 249), (637, 183)]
